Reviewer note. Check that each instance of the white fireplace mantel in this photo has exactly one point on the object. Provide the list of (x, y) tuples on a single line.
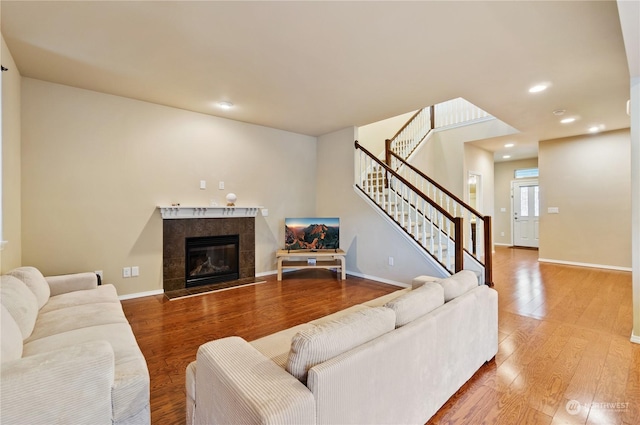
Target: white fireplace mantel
[(178, 211)]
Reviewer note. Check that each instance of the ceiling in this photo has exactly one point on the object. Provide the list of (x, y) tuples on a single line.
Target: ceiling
[(316, 67)]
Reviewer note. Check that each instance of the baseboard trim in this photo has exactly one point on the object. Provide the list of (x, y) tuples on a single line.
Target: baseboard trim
[(379, 279), (141, 294), (595, 266), (635, 338), (502, 244)]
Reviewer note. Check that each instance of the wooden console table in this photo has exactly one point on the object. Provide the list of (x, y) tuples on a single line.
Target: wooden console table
[(299, 259)]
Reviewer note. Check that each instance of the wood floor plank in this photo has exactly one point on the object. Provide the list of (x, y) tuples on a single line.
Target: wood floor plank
[(548, 391), (563, 338), (611, 392), (632, 391)]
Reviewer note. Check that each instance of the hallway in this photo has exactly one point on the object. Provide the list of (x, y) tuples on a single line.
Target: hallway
[(564, 355)]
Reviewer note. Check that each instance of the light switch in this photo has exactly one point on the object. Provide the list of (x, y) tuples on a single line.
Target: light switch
[(203, 184), (503, 209), (553, 210), (221, 185)]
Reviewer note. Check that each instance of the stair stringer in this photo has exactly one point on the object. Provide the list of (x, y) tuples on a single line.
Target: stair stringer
[(438, 268)]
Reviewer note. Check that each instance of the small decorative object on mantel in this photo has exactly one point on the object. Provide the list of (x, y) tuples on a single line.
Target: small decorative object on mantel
[(231, 199)]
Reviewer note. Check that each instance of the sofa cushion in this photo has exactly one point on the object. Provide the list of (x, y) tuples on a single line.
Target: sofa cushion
[(35, 281), (458, 284), (20, 302), (380, 301), (100, 294), (277, 345), (339, 314), (416, 303), (11, 340), (320, 343), (77, 317), (130, 391), (421, 280)]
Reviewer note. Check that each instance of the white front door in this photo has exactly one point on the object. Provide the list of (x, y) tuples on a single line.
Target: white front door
[(526, 214)]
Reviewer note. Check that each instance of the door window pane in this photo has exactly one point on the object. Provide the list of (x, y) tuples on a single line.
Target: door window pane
[(536, 201), (524, 202), (526, 173)]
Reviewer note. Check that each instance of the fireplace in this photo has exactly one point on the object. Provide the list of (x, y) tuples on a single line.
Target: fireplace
[(176, 233), (211, 259)]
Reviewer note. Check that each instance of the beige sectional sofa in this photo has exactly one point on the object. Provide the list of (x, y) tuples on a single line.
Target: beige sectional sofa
[(394, 360), (69, 355)]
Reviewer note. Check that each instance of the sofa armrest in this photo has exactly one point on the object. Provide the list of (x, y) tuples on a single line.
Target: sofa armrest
[(69, 385), (235, 383), (71, 282)]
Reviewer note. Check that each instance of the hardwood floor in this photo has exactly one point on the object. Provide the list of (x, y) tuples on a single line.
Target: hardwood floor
[(564, 355)]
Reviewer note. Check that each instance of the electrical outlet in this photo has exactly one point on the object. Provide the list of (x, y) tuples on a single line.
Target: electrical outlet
[(391, 261), (100, 273), (135, 271), (203, 184), (221, 185), (501, 233), (126, 272)]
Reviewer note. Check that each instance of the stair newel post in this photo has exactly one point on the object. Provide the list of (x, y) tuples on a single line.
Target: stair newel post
[(432, 116), (488, 251), (387, 152), (358, 174), (387, 159), (459, 243)]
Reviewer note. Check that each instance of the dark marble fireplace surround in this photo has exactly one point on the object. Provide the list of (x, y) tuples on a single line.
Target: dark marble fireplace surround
[(177, 230)]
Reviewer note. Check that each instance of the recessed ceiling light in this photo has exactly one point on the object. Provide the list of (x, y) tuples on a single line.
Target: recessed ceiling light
[(538, 88), (509, 145), (506, 156), (559, 112), (594, 129), (567, 120), (225, 105)]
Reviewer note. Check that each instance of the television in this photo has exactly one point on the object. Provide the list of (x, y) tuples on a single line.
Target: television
[(311, 233)]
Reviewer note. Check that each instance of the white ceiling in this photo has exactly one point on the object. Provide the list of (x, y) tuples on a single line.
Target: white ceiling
[(316, 67)]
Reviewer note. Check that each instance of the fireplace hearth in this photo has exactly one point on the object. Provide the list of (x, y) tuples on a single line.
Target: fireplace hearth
[(211, 259)]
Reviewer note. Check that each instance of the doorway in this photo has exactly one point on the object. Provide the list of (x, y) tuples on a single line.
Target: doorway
[(526, 213), (475, 191)]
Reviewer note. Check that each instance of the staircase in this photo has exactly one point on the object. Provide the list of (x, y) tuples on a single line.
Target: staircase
[(450, 231)]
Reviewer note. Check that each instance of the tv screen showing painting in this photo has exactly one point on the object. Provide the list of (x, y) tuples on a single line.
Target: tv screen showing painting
[(312, 233)]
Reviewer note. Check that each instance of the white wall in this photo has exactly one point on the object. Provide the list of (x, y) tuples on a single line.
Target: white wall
[(373, 136), (11, 254), (588, 178), (635, 211), (441, 157), (95, 166)]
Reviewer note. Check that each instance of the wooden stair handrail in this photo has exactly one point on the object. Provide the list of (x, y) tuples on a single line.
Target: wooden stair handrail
[(389, 142), (439, 186), (407, 123), (406, 182)]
